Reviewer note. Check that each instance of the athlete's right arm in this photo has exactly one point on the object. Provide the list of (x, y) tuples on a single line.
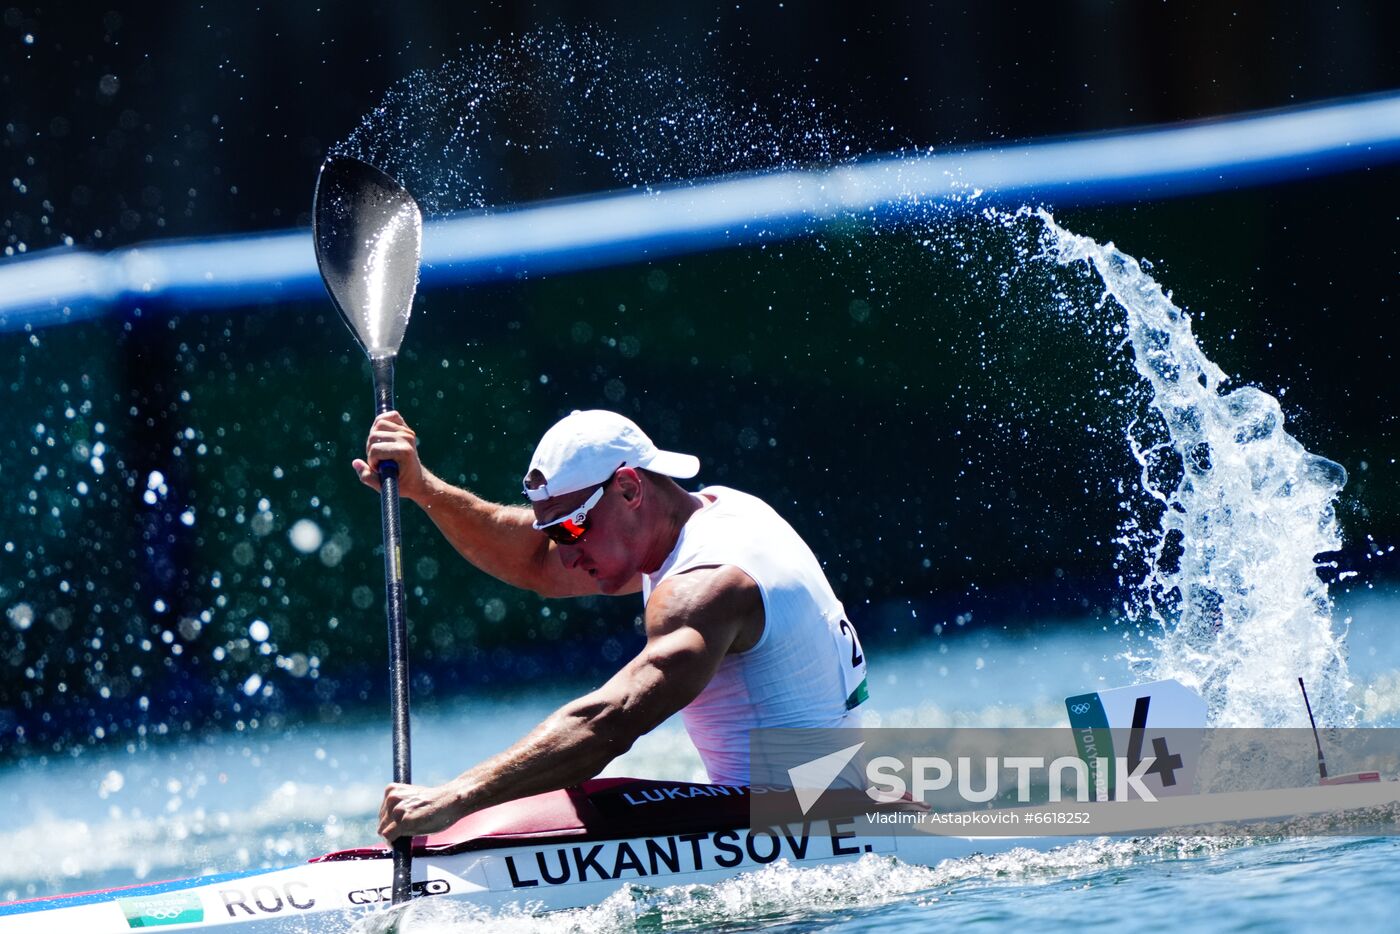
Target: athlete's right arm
[(499, 540)]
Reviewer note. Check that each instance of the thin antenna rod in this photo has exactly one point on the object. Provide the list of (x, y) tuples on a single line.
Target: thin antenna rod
[(1321, 762)]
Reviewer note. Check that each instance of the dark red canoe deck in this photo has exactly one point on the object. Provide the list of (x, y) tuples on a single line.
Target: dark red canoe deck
[(599, 809)]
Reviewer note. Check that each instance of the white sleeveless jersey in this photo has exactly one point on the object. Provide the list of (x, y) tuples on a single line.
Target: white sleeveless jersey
[(807, 669)]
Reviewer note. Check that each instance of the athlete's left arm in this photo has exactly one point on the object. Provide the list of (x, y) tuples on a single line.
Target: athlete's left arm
[(692, 620)]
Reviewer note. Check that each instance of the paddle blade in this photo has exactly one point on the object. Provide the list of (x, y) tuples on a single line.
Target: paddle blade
[(369, 234)]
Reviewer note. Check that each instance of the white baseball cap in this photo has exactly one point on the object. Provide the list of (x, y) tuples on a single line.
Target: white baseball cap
[(586, 448)]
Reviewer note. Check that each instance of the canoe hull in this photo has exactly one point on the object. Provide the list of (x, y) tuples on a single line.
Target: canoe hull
[(563, 859)]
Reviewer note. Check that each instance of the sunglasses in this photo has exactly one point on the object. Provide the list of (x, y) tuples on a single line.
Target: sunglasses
[(570, 527)]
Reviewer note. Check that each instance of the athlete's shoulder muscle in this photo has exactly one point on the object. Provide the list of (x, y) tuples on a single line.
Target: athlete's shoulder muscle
[(721, 602)]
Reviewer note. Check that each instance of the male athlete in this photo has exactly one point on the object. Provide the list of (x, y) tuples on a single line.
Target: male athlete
[(743, 630)]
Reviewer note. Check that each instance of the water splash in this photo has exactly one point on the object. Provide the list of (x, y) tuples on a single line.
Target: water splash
[(555, 112), (781, 893), (1232, 571)]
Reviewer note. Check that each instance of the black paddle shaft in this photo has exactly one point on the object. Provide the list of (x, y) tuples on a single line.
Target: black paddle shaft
[(398, 621)]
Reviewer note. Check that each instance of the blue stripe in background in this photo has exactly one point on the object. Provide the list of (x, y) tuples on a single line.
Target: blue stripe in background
[(64, 285)]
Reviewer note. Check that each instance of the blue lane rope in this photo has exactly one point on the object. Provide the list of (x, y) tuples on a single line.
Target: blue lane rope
[(62, 285)]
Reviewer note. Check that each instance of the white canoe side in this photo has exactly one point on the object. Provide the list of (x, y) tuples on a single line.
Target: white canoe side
[(564, 873)]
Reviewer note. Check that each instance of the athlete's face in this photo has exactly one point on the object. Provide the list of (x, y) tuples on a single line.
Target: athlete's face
[(603, 550)]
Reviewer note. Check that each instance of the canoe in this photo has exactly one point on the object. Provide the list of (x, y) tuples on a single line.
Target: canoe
[(573, 848)]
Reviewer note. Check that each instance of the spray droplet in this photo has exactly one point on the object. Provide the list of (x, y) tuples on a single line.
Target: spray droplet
[(305, 536)]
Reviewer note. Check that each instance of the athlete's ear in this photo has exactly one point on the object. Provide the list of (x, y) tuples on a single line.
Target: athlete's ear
[(629, 484)]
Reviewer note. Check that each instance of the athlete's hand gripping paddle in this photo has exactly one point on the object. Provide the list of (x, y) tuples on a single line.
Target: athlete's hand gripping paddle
[(369, 232)]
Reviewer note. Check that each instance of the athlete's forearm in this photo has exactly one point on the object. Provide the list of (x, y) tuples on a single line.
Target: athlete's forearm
[(572, 745), (583, 736), (579, 739)]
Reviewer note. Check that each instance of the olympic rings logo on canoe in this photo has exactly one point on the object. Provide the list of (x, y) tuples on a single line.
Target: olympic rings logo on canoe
[(386, 893)]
